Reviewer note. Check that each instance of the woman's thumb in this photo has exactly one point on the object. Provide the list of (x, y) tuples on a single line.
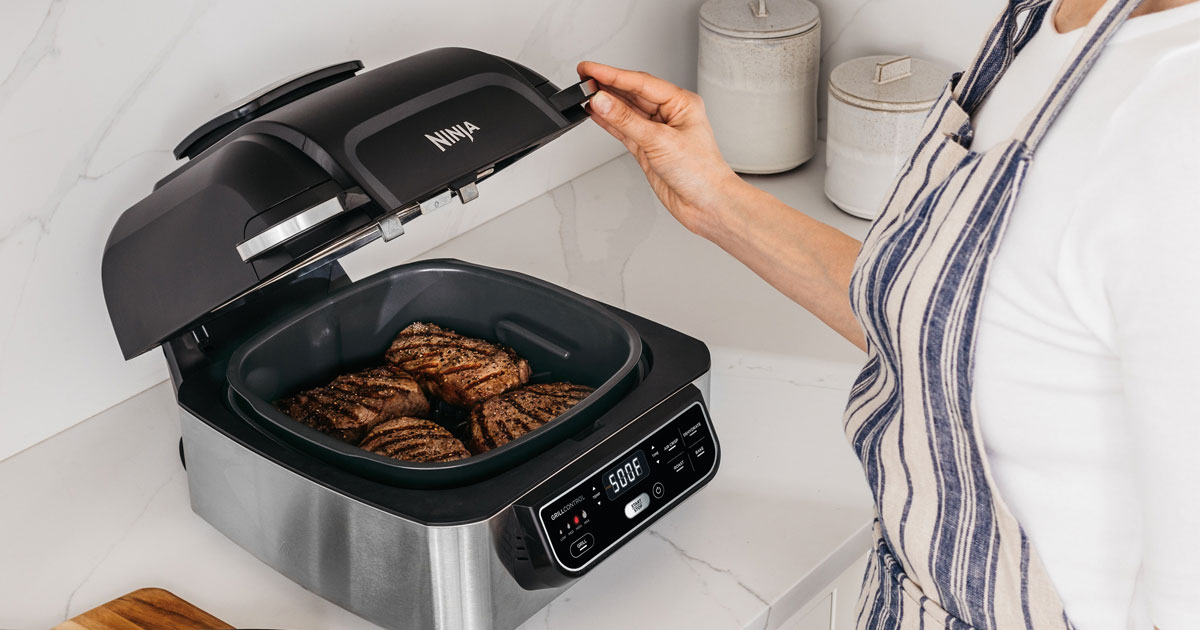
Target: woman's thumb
[(617, 113)]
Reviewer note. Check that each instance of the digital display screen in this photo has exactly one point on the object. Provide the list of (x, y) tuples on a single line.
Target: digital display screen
[(625, 475), (581, 523)]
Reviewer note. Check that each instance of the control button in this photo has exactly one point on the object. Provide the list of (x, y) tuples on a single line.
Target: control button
[(582, 545), (635, 507), (670, 447), (700, 451), (694, 432), (680, 464), (658, 490)]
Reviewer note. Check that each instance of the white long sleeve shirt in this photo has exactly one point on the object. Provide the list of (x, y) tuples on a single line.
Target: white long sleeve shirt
[(1087, 374)]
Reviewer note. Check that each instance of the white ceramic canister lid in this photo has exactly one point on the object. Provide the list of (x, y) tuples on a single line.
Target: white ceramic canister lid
[(759, 19), (889, 83)]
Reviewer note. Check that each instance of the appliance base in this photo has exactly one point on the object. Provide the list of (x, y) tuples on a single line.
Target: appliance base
[(393, 572)]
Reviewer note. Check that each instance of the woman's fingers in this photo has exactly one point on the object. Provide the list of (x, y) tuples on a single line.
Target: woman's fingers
[(639, 104), (649, 87), (621, 117), (612, 131), (630, 145)]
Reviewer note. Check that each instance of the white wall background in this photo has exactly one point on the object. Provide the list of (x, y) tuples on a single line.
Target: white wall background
[(94, 94)]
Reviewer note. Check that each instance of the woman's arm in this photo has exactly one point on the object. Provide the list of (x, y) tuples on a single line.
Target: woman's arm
[(666, 129), (1136, 244)]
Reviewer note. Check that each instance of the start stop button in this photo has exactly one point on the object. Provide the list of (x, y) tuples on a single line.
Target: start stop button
[(637, 505)]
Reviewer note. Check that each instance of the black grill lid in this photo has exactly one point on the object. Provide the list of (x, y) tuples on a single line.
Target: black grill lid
[(261, 102), (316, 166)]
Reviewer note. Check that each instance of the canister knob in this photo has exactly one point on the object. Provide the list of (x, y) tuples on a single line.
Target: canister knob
[(893, 70)]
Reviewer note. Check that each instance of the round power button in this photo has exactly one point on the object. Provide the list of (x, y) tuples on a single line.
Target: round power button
[(658, 490)]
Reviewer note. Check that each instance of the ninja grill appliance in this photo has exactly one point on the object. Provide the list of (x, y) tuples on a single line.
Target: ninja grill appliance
[(230, 266)]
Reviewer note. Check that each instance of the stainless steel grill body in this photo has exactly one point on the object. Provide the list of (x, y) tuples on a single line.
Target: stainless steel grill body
[(387, 569)]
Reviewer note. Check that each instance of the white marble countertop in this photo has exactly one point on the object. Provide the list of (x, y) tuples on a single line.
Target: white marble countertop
[(102, 509)]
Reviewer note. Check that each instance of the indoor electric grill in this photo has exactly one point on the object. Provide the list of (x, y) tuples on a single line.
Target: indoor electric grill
[(231, 266)]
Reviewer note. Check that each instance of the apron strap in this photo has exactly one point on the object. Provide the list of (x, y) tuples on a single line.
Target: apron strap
[(1014, 27), (1099, 30)]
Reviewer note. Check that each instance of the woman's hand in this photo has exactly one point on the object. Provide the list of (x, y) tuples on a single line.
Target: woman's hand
[(665, 128)]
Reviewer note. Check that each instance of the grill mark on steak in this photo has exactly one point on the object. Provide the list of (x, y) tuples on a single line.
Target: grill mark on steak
[(401, 432), (483, 379), (414, 439), (529, 418), (353, 400), (462, 367), (318, 415), (333, 419), (506, 431), (508, 416), (461, 370), (534, 418), (398, 392), (353, 403)]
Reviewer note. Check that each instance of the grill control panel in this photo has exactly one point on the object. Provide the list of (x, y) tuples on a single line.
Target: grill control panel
[(610, 505)]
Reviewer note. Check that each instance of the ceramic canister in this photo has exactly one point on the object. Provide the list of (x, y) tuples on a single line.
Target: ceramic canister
[(757, 73), (877, 106)]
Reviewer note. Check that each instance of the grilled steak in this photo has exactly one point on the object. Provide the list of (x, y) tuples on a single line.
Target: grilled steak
[(414, 440), (508, 416), (460, 370), (330, 411), (396, 391), (349, 406)]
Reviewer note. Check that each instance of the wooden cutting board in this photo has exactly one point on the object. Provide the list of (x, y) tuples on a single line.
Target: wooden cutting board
[(145, 609)]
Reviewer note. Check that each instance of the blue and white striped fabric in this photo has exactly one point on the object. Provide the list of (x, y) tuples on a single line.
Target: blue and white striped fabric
[(948, 553)]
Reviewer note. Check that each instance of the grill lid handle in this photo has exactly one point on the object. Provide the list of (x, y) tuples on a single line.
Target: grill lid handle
[(288, 229), (577, 94)]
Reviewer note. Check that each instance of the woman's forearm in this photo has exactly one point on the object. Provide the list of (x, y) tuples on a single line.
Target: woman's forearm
[(667, 131), (805, 259)]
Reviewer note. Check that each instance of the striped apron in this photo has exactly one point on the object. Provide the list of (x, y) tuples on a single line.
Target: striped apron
[(948, 552)]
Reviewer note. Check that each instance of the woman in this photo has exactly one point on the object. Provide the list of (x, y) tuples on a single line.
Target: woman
[(1031, 454)]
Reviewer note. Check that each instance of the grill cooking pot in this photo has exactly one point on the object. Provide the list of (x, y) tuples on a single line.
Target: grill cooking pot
[(563, 335)]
